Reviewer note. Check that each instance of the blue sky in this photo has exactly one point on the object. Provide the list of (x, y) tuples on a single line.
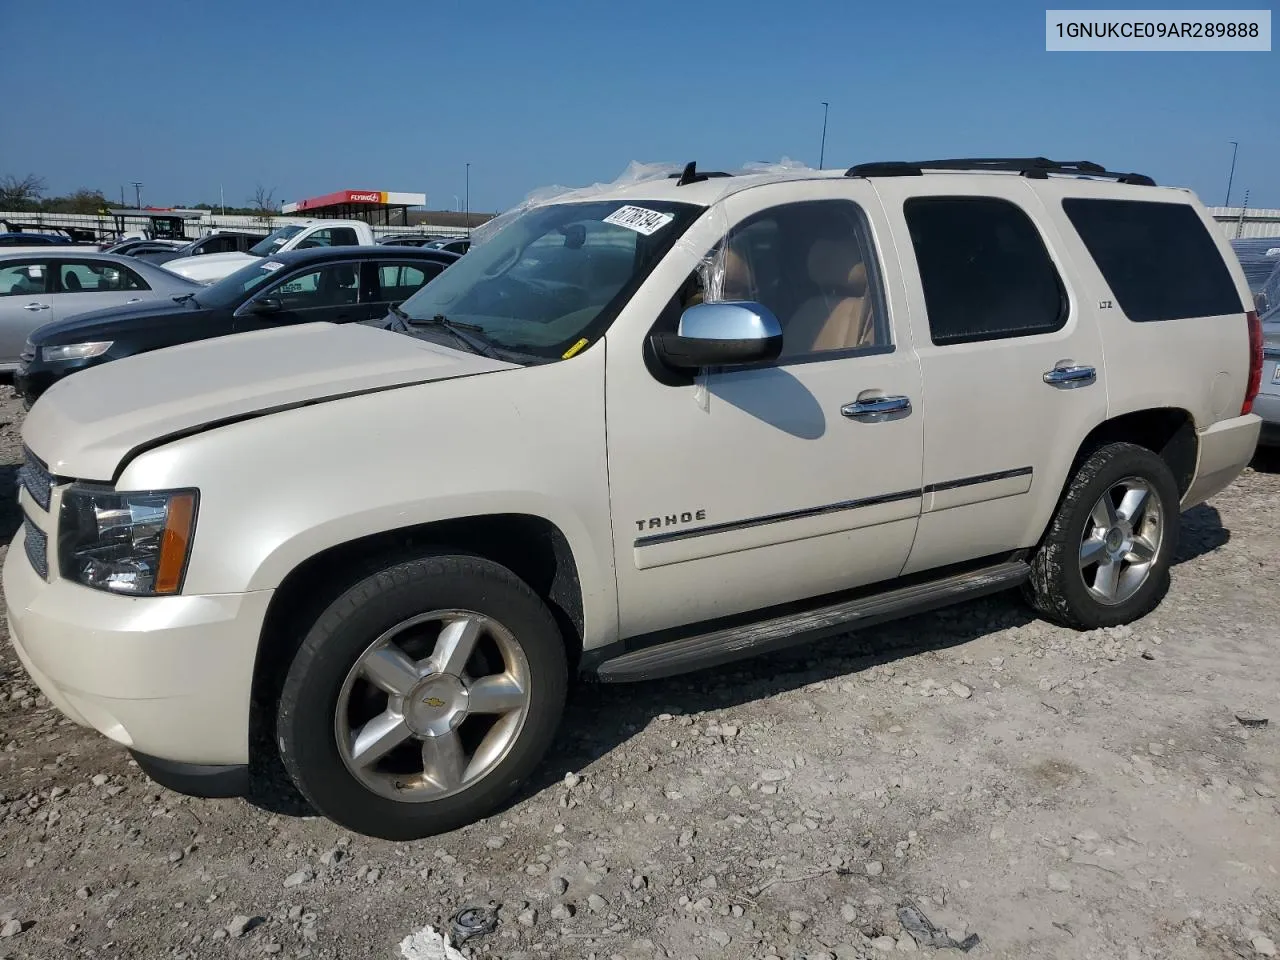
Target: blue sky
[(310, 97)]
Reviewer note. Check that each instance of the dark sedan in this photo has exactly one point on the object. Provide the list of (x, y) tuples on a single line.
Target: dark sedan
[(331, 284)]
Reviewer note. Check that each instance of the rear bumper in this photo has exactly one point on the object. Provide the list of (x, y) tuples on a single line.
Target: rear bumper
[(1224, 450)]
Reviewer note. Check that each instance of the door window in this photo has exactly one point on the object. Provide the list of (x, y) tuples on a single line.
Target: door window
[(984, 268), (24, 279), (331, 237), (97, 277), (399, 281), (333, 285), (813, 265)]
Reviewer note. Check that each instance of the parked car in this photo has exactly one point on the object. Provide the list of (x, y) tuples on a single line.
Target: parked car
[(1268, 402), (638, 431), (459, 245), (131, 245), (294, 236), (1258, 257), (329, 284), (217, 241), (32, 240), (37, 288), (406, 239)]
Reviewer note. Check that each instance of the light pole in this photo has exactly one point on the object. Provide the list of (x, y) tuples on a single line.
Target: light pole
[(822, 152), (1235, 145), (468, 192), (137, 194)]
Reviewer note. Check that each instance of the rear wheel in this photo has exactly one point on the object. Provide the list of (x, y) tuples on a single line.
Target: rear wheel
[(422, 697), (1105, 558)]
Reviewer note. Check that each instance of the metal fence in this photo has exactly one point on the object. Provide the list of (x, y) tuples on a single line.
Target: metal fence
[(106, 226)]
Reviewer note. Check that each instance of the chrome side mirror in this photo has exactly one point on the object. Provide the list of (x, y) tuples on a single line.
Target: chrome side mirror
[(720, 335)]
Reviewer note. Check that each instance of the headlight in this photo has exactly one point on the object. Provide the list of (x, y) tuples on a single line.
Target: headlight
[(76, 351), (134, 543)]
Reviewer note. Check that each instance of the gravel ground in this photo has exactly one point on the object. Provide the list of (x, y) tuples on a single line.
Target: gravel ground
[(1058, 794)]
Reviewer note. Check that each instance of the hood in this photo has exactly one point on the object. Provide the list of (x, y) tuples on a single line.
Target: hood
[(210, 266), (87, 425), (87, 326)]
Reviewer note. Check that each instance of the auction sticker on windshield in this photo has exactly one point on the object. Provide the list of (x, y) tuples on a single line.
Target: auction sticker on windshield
[(272, 265), (639, 219)]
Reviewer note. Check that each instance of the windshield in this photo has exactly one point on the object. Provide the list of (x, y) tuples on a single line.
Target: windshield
[(555, 275), (231, 290), (274, 241)]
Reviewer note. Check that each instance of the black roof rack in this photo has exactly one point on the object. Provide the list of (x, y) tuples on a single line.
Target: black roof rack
[(692, 174), (1036, 168)]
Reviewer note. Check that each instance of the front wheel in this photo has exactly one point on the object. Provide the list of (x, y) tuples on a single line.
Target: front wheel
[(422, 697), (1106, 556)]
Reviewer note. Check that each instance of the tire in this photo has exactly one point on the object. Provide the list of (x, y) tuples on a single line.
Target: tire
[(342, 676), (1061, 587)]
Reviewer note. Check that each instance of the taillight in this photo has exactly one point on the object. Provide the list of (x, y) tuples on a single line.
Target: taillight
[(1255, 362)]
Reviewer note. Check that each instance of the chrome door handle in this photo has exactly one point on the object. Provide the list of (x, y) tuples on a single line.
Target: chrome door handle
[(877, 409), (36, 306), (1067, 376)]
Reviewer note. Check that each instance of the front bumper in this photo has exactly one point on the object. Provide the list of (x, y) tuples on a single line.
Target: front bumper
[(168, 677), (1226, 448)]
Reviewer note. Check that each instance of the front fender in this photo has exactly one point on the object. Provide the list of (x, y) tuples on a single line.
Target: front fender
[(279, 489)]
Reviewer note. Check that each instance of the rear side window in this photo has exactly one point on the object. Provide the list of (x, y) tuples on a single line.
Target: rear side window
[(985, 270), (1158, 259)]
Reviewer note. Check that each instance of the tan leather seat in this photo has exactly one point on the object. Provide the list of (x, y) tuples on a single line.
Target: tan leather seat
[(840, 317)]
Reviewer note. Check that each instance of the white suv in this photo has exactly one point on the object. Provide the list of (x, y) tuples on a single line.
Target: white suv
[(637, 431)]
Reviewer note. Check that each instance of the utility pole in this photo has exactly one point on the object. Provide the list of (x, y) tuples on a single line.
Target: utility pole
[(1235, 145), (822, 152), (122, 196), (137, 194), (468, 192)]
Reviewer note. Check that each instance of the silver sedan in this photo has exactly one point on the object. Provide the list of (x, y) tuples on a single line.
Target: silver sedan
[(38, 287)]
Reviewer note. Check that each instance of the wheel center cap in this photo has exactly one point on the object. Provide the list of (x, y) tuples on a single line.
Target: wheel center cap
[(436, 705), (1115, 539)]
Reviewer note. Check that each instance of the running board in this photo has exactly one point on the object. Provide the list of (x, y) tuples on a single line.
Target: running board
[(726, 645)]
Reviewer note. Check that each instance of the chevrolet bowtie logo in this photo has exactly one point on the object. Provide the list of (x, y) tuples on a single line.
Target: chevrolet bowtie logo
[(433, 702)]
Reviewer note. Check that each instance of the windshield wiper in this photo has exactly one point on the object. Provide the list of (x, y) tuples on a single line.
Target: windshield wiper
[(464, 333)]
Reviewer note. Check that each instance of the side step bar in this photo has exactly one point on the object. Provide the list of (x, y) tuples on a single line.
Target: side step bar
[(724, 646)]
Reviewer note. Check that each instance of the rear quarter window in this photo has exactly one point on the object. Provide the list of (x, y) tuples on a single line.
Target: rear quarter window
[(1158, 259)]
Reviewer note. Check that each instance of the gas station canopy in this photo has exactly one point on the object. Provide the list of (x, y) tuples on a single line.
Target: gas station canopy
[(359, 205)]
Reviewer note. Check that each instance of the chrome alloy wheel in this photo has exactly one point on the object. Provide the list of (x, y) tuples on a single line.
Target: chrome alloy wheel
[(1121, 541), (432, 705)]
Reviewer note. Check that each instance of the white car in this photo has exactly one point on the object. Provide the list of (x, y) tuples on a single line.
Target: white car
[(637, 431), (212, 267)]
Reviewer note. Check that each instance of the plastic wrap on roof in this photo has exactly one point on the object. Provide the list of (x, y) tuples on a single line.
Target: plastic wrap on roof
[(635, 172)]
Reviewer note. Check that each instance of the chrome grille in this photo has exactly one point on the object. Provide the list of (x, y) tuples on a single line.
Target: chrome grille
[(37, 545), (36, 478), (28, 352)]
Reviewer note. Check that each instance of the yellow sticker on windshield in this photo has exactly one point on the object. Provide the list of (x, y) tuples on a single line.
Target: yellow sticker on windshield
[(574, 349)]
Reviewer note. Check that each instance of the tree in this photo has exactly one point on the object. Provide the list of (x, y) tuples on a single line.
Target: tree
[(83, 200), (21, 193), (263, 203)]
